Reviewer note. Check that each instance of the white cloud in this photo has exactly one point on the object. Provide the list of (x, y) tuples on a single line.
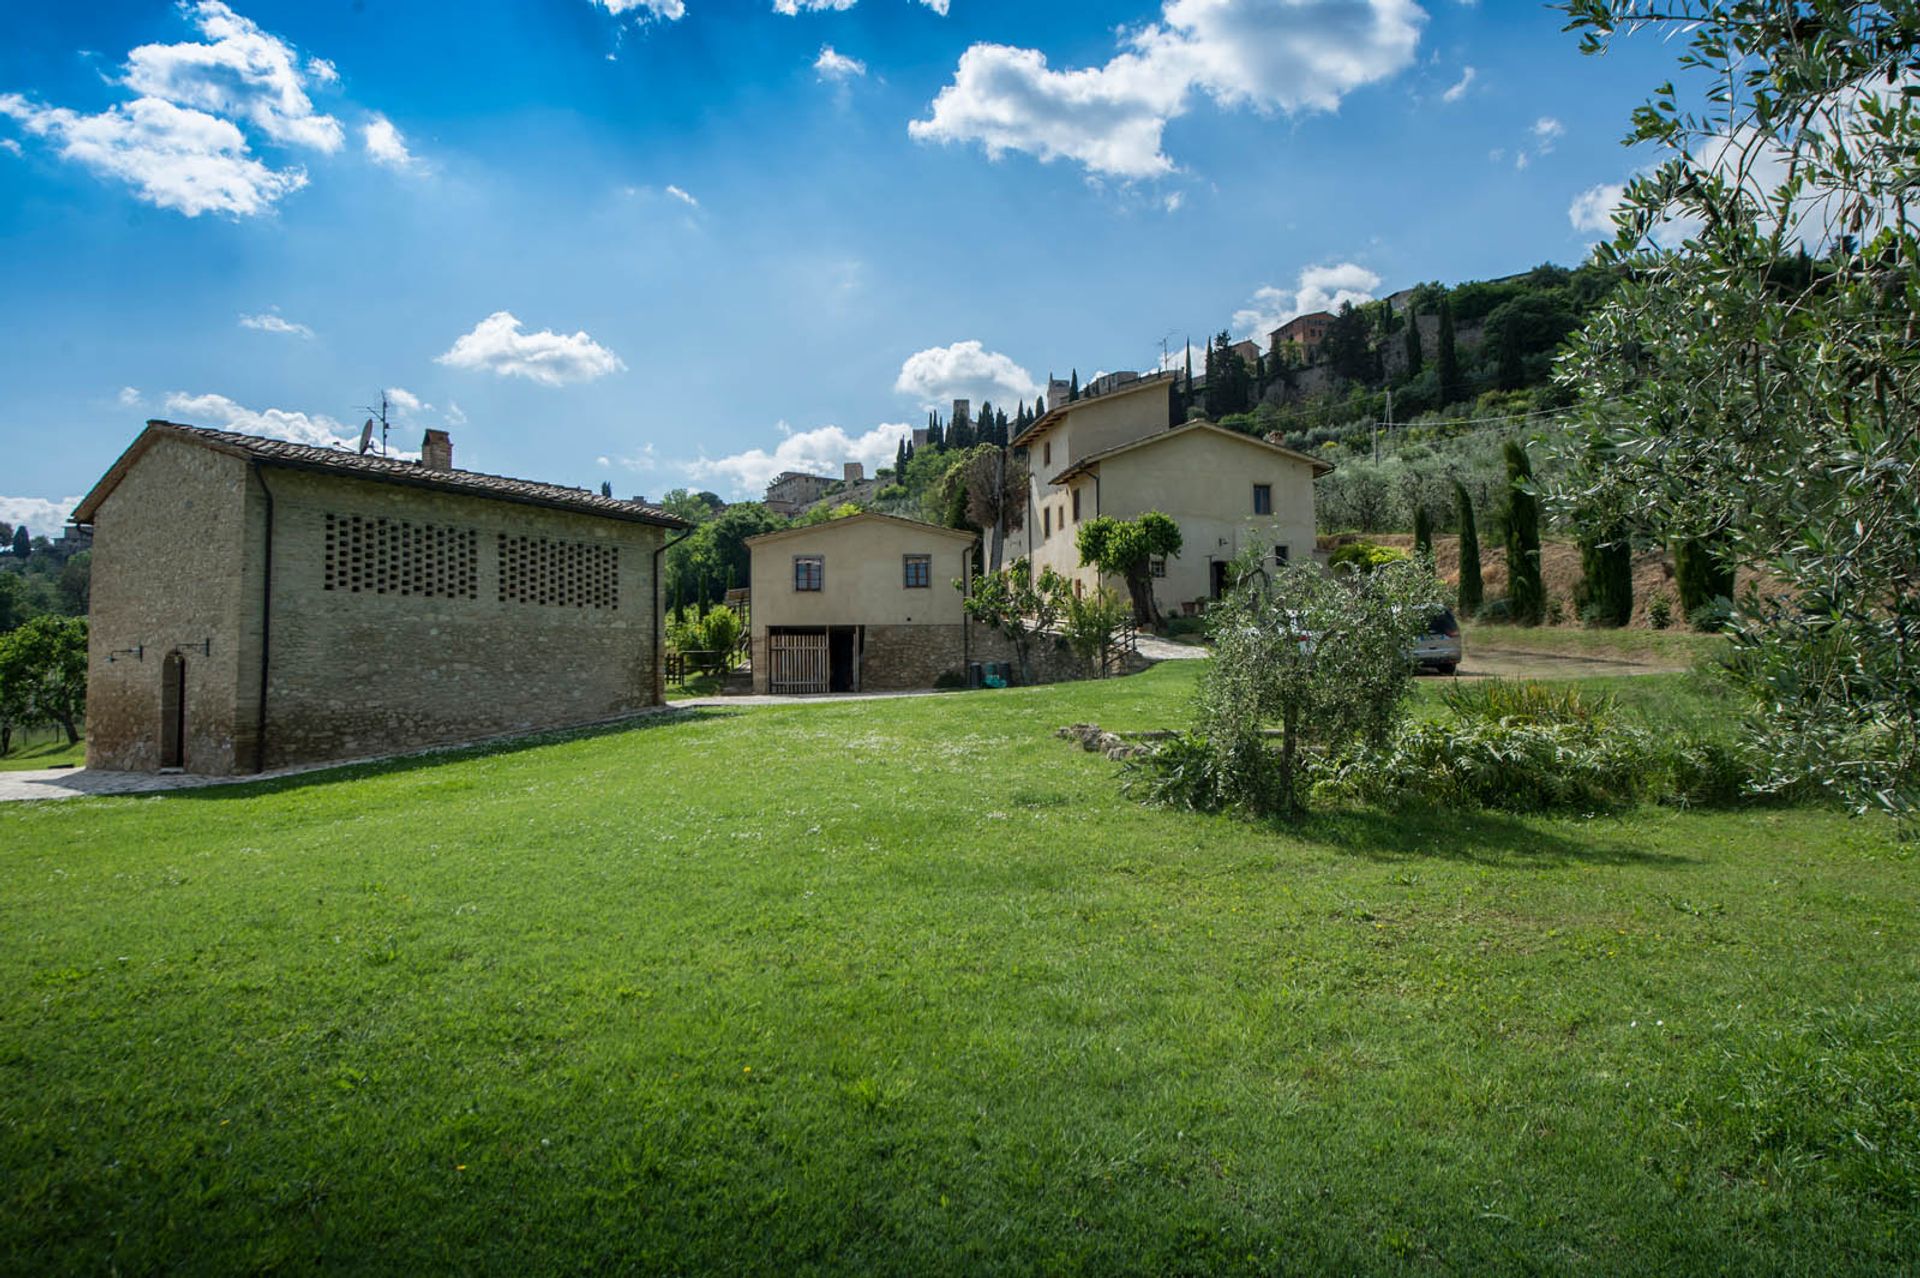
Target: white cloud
[(498, 345), (680, 195), (964, 370), (405, 400), (792, 7), (1460, 87), (1592, 209), (221, 413), (1305, 55), (242, 73), (129, 397), (938, 6), (321, 71), (271, 323), (43, 516), (1547, 130), (1319, 288), (386, 144), (174, 158), (819, 452), (671, 10), (834, 65), (12, 147)]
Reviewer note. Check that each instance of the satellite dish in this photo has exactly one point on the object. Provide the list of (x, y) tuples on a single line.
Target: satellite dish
[(366, 438)]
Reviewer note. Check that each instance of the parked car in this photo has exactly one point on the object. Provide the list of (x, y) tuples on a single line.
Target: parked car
[(1439, 649)]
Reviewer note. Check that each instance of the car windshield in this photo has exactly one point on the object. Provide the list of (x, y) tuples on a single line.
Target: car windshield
[(1441, 622)]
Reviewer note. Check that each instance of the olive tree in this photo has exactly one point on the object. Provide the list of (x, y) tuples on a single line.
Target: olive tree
[(1126, 548), (1752, 385), (1326, 660)]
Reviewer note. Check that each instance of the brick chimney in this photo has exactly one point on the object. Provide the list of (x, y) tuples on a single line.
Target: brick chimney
[(853, 472), (436, 450)]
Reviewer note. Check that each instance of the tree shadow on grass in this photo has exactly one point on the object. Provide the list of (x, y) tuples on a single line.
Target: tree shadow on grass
[(439, 756), (1480, 837)]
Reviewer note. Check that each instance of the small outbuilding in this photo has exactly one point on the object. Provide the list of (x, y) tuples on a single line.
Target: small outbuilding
[(866, 603), (258, 603)]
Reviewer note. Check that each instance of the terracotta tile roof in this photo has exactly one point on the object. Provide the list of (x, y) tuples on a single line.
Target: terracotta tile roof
[(1091, 460), (392, 470)]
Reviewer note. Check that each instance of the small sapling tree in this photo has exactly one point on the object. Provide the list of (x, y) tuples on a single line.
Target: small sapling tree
[(1019, 605)]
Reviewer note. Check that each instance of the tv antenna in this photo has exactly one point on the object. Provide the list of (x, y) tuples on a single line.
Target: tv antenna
[(366, 432)]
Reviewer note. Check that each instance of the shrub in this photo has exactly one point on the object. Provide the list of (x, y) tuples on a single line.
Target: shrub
[(949, 681), (1556, 612), (1363, 557), (1523, 765), (1180, 772), (1495, 611), (1502, 701), (719, 633), (1660, 611)]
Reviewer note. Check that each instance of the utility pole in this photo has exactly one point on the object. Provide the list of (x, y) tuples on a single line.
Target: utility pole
[(1376, 426)]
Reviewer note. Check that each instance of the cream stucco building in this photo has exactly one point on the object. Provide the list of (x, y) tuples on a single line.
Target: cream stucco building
[(1122, 454), (864, 603)]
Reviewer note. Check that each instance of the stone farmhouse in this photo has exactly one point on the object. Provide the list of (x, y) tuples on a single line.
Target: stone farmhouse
[(258, 603), (1123, 454), (860, 604)]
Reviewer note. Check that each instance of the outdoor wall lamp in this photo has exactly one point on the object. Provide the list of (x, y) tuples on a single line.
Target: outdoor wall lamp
[(138, 652)]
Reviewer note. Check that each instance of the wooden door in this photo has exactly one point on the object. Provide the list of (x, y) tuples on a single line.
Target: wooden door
[(173, 711), (798, 661)]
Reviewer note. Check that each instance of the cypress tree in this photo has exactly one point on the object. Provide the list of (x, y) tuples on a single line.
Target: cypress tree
[(1607, 565), (1701, 574), (1422, 531), (1513, 368), (1470, 588), (22, 543), (1413, 345), (1073, 387), (1447, 359), (1526, 594), (900, 462)]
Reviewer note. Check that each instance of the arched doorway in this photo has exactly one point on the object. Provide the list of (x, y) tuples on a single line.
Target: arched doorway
[(173, 711)]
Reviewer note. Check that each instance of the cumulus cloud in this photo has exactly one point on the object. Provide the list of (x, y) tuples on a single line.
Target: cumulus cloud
[(241, 72), (792, 7), (11, 147), (675, 192), (964, 370), (1305, 55), (268, 322), (497, 345), (1592, 209), (386, 144), (182, 138), (1545, 132), (1460, 86), (129, 397), (42, 516), (938, 6), (819, 452), (222, 413), (834, 65), (1319, 288), (174, 158)]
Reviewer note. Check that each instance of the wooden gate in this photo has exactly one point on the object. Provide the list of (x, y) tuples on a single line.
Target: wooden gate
[(798, 661)]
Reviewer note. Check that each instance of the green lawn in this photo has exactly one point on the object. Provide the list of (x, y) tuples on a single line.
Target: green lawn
[(907, 986), (1673, 647), (43, 752)]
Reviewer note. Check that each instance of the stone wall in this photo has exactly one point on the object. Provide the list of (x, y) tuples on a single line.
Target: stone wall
[(168, 574), (418, 658), (524, 648), (909, 658)]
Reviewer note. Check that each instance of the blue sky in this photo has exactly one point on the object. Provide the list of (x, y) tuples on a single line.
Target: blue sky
[(692, 242)]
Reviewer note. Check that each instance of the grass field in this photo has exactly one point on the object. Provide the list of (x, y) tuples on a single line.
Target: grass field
[(42, 750), (1673, 647), (906, 986)]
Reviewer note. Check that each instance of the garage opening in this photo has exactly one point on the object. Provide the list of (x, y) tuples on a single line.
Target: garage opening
[(810, 661)]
